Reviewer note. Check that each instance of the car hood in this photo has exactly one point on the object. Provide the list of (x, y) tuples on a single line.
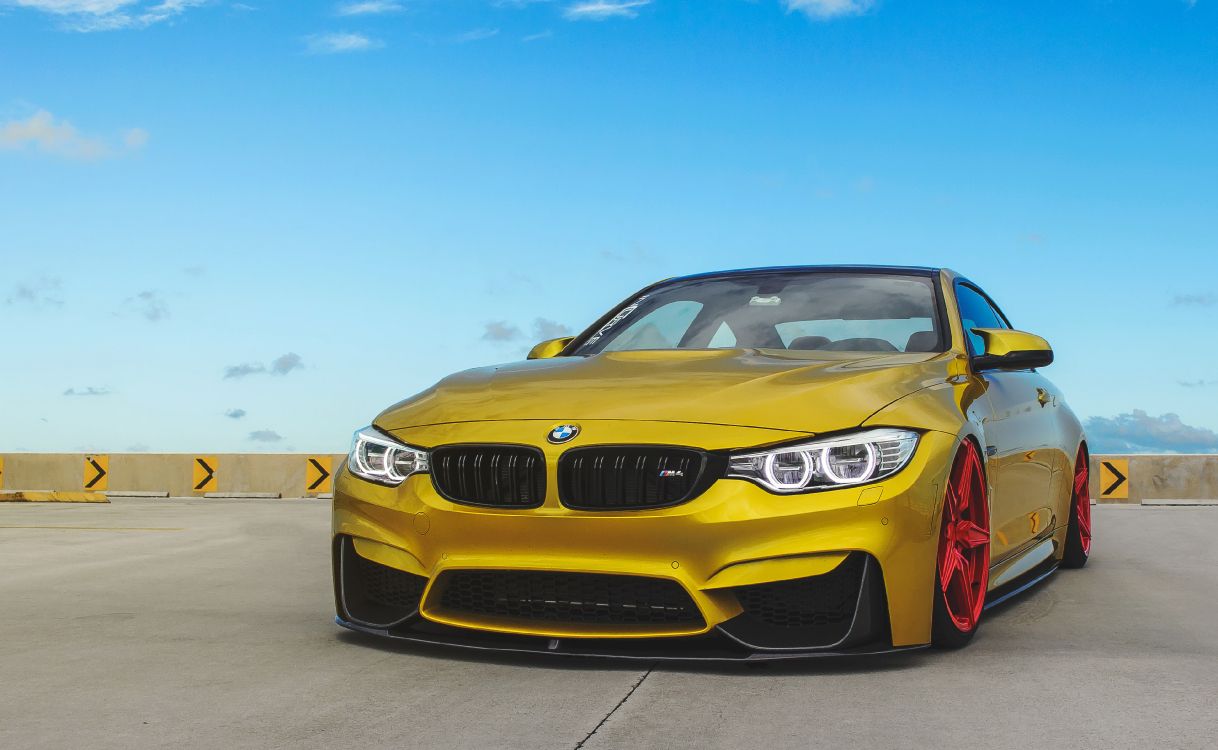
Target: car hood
[(808, 392)]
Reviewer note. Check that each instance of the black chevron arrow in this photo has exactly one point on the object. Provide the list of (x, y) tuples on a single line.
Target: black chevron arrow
[(1120, 478), (323, 475), (211, 473), (100, 473)]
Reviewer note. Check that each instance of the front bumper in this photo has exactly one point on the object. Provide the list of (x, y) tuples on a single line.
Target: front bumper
[(736, 537)]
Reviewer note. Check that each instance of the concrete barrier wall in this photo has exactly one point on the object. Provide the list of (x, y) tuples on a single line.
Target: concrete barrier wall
[(1153, 478), (281, 474), (1147, 477)]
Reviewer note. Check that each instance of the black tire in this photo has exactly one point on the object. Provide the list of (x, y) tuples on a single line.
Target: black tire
[(943, 632), (1076, 552), (1074, 556)]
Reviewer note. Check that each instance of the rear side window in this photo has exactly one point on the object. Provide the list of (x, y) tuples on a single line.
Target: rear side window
[(976, 312)]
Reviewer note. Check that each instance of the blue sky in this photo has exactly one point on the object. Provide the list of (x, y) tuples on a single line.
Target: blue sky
[(250, 226)]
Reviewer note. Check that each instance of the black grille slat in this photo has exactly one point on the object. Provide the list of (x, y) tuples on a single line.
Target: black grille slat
[(575, 598), (507, 476), (631, 477)]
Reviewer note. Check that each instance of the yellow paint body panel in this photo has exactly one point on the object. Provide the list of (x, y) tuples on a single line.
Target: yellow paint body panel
[(1001, 342), (752, 572), (735, 532)]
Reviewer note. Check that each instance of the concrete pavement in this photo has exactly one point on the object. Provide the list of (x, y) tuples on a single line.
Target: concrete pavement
[(203, 623)]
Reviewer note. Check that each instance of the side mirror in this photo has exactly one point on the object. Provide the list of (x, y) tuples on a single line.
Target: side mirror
[(551, 348), (1011, 350)]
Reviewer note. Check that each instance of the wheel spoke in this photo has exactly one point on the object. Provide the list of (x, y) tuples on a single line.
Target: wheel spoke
[(970, 536), (1080, 482), (952, 506), (966, 593), (953, 565), (965, 493)]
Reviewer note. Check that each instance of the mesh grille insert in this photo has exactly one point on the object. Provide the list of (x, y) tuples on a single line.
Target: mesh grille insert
[(820, 602), (371, 593), (583, 598), (495, 475), (629, 477), (388, 586)]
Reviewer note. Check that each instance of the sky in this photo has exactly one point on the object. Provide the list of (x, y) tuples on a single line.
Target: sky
[(250, 226)]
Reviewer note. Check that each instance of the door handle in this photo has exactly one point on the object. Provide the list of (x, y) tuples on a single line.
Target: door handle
[(1043, 396)]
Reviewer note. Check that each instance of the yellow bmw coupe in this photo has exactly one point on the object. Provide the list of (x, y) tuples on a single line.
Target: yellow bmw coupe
[(754, 464)]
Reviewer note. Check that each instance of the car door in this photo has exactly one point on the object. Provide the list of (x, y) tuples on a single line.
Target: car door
[(1018, 435)]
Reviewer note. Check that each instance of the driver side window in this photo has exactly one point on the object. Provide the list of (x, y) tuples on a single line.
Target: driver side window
[(976, 312)]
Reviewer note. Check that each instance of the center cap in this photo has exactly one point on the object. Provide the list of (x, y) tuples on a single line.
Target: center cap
[(563, 433)]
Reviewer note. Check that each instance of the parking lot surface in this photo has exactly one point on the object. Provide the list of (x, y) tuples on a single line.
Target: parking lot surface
[(209, 623)]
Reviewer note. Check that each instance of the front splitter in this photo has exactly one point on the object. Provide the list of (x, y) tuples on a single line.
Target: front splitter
[(711, 647)]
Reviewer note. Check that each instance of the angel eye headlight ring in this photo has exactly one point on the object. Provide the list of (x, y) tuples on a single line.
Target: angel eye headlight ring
[(379, 458), (839, 461)]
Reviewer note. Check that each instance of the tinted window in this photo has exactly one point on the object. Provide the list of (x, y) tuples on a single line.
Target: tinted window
[(661, 328), (976, 312), (800, 311)]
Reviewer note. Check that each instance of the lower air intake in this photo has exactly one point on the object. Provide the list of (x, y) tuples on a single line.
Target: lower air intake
[(574, 598), (843, 606), (372, 593)]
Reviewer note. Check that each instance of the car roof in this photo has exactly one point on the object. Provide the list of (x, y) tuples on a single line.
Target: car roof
[(899, 270)]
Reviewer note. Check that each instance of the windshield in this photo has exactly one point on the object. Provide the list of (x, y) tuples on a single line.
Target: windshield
[(865, 312)]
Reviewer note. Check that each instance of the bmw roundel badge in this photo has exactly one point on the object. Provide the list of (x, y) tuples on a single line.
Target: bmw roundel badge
[(563, 433)]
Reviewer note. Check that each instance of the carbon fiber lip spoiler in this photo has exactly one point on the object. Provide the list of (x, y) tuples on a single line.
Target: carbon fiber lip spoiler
[(697, 649)]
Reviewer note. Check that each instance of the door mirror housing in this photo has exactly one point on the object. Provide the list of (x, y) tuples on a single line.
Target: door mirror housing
[(1011, 350), (550, 348)]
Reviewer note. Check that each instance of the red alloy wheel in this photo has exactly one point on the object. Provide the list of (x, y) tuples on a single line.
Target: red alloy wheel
[(1082, 501), (964, 542)]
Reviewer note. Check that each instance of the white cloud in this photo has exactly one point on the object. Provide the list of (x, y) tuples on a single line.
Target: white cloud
[(368, 8), (822, 9), (90, 391), (600, 10), (544, 329), (475, 35), (42, 132), (108, 15), (1138, 432), (501, 330), (284, 364), (148, 305), (339, 42), (135, 138)]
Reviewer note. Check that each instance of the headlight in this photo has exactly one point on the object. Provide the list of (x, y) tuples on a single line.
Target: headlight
[(857, 458), (379, 458)]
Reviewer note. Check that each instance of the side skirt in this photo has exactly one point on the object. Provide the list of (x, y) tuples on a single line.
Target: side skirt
[(1019, 585)]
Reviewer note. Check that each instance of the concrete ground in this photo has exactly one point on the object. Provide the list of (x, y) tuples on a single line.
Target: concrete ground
[(209, 623)]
